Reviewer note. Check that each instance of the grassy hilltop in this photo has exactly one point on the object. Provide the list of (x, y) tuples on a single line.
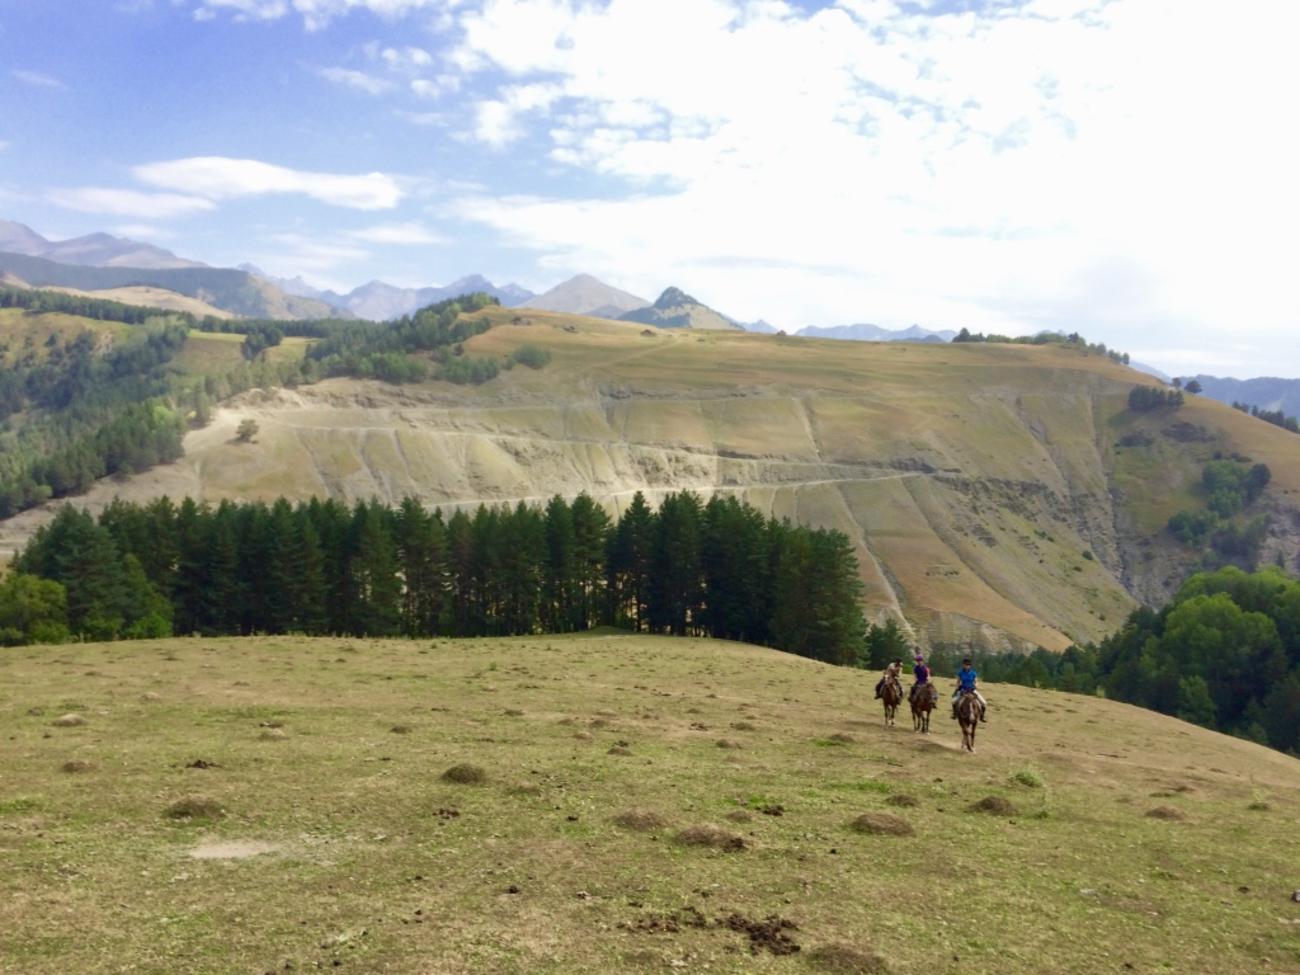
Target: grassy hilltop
[(998, 495), (320, 832)]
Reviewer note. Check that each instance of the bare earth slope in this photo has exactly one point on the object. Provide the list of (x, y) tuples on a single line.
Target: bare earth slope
[(335, 844), (973, 479)]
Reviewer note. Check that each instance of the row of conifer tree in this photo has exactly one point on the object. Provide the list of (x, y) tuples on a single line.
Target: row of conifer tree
[(719, 569)]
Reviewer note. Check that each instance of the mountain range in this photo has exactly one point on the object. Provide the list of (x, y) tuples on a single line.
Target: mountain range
[(1267, 392), (93, 250), (379, 301)]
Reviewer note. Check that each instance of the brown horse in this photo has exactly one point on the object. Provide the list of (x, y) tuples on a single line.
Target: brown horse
[(892, 695), (968, 716), (924, 699)]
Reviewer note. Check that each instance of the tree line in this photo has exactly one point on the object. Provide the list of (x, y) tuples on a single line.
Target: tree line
[(1275, 417), (1144, 399), (1224, 654), (1074, 340), (719, 569)]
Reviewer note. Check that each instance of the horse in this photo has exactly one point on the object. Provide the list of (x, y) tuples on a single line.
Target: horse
[(892, 695), (924, 700), (968, 716)]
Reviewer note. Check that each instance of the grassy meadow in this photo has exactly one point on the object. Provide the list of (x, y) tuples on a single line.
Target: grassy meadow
[(632, 804)]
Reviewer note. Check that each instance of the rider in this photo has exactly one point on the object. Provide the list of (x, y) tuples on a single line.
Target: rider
[(891, 673), (921, 674), (967, 681)]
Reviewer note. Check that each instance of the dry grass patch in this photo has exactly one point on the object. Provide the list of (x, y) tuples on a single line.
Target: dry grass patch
[(465, 774), (842, 739), (273, 734), (713, 837), (881, 824), (740, 816), (902, 800), (1166, 812), (839, 959), (68, 721)]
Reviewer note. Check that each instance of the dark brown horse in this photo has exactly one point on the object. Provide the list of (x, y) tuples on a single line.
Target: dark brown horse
[(892, 695), (968, 716), (924, 699)]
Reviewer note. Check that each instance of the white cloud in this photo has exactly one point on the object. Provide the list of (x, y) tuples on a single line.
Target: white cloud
[(36, 79), (315, 14), (220, 178), (398, 233), (358, 80), (1064, 162), (406, 58), (129, 203)]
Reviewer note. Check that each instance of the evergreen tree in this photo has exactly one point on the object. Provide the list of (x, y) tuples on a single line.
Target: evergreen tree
[(677, 582)]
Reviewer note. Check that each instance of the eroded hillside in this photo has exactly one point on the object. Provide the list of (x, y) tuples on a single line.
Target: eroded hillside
[(996, 494)]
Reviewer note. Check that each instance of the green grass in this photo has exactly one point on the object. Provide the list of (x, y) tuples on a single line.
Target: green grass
[(355, 850)]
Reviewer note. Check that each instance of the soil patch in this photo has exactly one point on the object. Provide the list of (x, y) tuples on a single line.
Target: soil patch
[(728, 743), (400, 729), (68, 721), (711, 836), (843, 960), (232, 850), (202, 763), (994, 806), (76, 765), (882, 824), (641, 820), (465, 775)]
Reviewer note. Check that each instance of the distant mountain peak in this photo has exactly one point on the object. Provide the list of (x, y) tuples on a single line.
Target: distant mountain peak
[(676, 309), (673, 296), (583, 294)]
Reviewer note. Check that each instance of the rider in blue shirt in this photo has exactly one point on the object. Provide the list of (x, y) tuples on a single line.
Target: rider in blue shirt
[(967, 683), (921, 678)]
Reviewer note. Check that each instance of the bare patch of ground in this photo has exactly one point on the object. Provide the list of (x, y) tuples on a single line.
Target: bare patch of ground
[(232, 849)]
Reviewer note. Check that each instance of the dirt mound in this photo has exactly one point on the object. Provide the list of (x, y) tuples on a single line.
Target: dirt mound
[(401, 729), (728, 743), (194, 807), (68, 721), (881, 824), (741, 816), (619, 750), (465, 775), (994, 806), (768, 934), (713, 837), (843, 960), (1165, 812), (743, 726), (273, 734), (77, 765), (202, 763), (842, 739), (902, 800), (642, 820)]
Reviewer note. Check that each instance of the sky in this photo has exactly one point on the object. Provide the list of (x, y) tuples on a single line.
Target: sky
[(1124, 168)]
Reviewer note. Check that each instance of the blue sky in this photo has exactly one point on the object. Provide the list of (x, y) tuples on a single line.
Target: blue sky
[(1126, 168)]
